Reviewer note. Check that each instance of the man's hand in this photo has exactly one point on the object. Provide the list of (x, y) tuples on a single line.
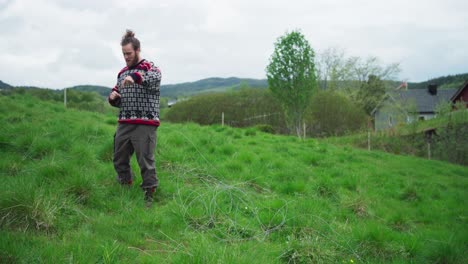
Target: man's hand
[(128, 81), (114, 95)]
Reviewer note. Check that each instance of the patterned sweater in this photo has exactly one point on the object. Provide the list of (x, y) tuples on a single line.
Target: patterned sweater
[(139, 102)]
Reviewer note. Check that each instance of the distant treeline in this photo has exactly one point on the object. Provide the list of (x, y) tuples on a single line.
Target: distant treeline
[(449, 81)]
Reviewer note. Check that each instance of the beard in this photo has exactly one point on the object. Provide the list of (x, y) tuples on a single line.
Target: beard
[(133, 62)]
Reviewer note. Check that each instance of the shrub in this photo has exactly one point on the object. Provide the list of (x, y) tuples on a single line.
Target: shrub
[(331, 113), (241, 108), (265, 128)]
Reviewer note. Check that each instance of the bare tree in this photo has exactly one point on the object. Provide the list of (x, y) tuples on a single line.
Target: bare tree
[(335, 71)]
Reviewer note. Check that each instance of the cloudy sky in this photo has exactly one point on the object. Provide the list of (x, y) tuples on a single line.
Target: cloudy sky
[(62, 43)]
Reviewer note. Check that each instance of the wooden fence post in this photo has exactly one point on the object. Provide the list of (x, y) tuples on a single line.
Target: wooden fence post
[(304, 129), (368, 141), (429, 150)]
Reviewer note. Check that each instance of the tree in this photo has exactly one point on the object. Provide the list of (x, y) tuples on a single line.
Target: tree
[(336, 71), (333, 69), (363, 69), (291, 77), (370, 93)]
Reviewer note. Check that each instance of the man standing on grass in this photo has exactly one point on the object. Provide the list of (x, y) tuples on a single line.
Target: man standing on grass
[(137, 95)]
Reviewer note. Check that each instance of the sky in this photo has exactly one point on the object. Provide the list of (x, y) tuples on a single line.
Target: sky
[(63, 43)]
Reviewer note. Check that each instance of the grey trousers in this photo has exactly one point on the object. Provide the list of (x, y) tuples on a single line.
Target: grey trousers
[(141, 140)]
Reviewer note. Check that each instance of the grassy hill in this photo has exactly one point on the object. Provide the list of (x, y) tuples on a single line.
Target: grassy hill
[(227, 196)]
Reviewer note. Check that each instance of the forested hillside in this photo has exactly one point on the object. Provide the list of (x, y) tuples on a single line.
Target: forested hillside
[(449, 81)]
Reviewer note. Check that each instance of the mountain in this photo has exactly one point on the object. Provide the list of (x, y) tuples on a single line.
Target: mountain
[(175, 90), (4, 85), (216, 84), (209, 85)]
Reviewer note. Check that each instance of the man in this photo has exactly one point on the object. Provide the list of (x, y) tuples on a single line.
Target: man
[(137, 95)]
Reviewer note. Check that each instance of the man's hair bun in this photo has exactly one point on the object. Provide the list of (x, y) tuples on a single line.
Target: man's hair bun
[(129, 37), (129, 34)]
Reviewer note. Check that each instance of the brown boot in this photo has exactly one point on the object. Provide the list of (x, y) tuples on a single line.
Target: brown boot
[(149, 192)]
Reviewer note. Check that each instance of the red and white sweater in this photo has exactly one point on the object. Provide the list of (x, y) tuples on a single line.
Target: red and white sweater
[(139, 102)]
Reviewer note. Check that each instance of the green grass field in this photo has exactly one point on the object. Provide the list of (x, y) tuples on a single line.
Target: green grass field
[(226, 196)]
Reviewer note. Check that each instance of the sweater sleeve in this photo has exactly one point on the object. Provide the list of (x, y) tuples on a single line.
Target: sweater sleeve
[(116, 102), (150, 78)]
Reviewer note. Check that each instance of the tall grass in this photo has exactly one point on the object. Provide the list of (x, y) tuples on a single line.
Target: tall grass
[(226, 196)]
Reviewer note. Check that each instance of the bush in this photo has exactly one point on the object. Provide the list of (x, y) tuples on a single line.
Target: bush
[(265, 128), (331, 113), (241, 108), (451, 143)]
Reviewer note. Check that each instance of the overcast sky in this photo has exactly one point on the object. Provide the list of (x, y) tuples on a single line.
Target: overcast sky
[(62, 43)]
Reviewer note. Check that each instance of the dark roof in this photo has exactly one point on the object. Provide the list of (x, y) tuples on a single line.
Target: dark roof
[(459, 91), (425, 102)]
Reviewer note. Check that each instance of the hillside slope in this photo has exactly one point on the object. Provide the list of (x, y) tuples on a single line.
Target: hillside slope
[(227, 196)]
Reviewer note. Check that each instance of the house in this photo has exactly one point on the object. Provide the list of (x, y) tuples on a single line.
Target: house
[(461, 94), (405, 106)]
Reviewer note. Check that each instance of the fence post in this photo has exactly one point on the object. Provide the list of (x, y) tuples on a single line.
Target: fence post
[(304, 129), (65, 97), (222, 119), (429, 150), (368, 141)]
